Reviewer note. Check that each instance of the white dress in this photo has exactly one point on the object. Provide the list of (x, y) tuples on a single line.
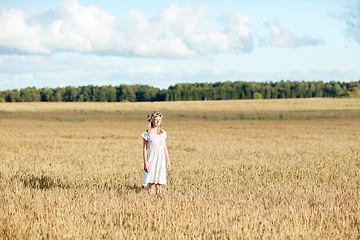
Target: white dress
[(156, 158)]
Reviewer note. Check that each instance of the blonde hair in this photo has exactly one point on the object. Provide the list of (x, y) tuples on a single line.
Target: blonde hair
[(159, 130)]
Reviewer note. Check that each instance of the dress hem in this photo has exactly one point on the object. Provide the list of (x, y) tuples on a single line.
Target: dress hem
[(152, 183)]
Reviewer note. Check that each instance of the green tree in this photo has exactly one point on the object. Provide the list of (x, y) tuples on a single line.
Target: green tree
[(46, 94), (30, 94), (59, 93), (257, 95), (14, 96), (111, 94)]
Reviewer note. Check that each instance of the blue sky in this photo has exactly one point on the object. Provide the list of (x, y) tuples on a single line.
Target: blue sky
[(57, 43)]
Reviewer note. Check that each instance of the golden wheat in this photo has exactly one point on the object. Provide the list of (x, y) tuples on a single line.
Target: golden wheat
[(240, 169)]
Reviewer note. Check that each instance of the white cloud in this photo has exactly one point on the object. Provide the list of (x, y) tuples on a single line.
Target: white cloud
[(78, 70), (69, 27), (236, 27), (153, 76), (182, 33), (149, 72), (282, 37), (173, 33), (353, 23)]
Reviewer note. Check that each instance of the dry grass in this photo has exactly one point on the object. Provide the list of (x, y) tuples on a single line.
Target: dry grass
[(239, 170)]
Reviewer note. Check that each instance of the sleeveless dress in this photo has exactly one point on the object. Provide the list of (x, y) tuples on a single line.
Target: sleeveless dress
[(156, 158)]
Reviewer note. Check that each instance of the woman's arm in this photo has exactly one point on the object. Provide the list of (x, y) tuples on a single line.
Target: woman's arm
[(146, 164), (168, 165)]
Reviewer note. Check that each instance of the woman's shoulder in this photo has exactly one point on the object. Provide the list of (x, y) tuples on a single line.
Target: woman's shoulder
[(145, 135), (163, 131)]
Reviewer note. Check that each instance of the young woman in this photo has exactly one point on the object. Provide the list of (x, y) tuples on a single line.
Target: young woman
[(155, 154)]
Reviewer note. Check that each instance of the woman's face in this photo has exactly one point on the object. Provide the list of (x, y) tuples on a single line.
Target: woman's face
[(156, 121)]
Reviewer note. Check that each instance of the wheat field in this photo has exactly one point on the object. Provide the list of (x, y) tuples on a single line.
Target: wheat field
[(247, 169)]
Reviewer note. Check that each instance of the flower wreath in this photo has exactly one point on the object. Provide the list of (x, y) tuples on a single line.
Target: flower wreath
[(150, 116)]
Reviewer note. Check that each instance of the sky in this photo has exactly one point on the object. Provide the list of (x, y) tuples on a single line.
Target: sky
[(58, 43)]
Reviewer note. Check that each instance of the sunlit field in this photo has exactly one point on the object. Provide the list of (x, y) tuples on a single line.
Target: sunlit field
[(247, 169)]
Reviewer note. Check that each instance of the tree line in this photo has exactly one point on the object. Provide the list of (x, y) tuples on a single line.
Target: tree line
[(185, 92)]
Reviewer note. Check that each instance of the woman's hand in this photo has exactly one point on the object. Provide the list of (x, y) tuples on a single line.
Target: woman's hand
[(168, 165), (146, 167)]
